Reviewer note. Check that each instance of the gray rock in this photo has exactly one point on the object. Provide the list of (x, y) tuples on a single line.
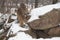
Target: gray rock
[(49, 20)]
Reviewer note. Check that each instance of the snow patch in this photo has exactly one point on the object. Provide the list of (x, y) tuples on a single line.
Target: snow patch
[(21, 36), (16, 27), (13, 17), (0, 14)]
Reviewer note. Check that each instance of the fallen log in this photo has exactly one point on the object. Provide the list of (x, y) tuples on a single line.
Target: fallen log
[(3, 35)]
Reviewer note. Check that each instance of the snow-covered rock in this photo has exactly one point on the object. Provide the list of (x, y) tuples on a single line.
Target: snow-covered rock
[(16, 27), (35, 13), (21, 36)]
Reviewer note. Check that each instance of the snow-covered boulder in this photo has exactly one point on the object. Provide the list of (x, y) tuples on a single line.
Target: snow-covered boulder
[(35, 13), (49, 20)]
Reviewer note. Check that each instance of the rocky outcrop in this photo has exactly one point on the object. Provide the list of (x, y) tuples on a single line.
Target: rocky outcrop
[(54, 32), (47, 26), (49, 20)]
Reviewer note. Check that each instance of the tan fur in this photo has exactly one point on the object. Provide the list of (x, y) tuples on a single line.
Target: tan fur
[(22, 13)]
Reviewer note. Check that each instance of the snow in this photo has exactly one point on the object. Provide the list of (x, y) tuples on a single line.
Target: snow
[(1, 31), (35, 13), (15, 27), (21, 36), (0, 14), (13, 17), (54, 38)]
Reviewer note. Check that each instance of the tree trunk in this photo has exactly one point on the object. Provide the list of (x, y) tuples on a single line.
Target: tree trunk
[(36, 3), (2, 9), (54, 1)]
